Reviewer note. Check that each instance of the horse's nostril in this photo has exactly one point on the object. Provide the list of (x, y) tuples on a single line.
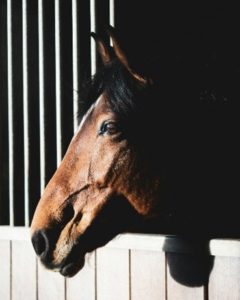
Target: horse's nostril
[(40, 242)]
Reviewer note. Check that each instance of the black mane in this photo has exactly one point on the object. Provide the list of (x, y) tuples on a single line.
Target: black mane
[(118, 84), (176, 83)]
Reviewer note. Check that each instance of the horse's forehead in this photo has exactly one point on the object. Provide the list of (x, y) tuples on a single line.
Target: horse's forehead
[(101, 105), (98, 107)]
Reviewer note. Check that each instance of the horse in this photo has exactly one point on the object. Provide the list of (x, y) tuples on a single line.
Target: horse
[(146, 157)]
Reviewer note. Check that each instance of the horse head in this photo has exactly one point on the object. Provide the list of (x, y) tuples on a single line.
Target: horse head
[(105, 183)]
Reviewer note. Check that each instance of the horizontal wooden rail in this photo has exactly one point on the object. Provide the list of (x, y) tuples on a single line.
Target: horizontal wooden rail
[(140, 241)]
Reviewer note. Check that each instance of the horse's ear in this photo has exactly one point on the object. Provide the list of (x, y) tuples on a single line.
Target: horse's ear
[(122, 57), (103, 49)]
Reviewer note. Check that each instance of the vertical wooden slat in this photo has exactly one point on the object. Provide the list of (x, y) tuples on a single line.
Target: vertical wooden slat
[(147, 275), (23, 271), (82, 285), (5, 270), (58, 82), (178, 290), (25, 111), (10, 112), (51, 285), (112, 274), (75, 49), (41, 94), (112, 12), (93, 29), (31, 115), (224, 282)]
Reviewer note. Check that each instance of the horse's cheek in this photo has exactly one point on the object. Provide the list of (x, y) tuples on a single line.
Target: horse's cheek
[(101, 165)]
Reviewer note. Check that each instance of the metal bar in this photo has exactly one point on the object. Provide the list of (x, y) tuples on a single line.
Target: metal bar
[(111, 15), (58, 81), (112, 12), (25, 112), (10, 113), (41, 95), (93, 29), (75, 48)]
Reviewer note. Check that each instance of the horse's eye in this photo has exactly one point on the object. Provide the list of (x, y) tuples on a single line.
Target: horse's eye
[(108, 127)]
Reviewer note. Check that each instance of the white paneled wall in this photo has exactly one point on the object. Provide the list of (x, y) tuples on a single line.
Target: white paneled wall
[(130, 267)]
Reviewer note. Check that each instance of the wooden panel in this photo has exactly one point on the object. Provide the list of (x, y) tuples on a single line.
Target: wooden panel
[(225, 247), (115, 277), (183, 277), (51, 285), (5, 270), (82, 285), (138, 241), (147, 275), (23, 271), (224, 281), (112, 274)]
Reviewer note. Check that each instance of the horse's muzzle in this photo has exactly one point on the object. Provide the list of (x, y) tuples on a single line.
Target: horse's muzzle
[(42, 246)]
